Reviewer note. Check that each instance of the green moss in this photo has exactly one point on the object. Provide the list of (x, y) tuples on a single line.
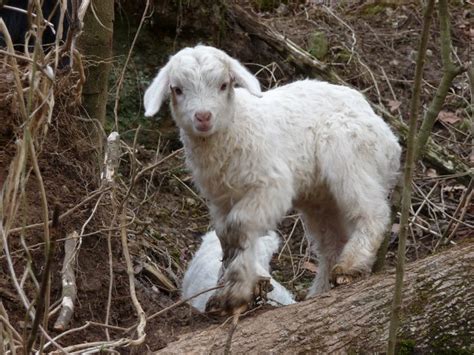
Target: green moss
[(342, 55), (443, 338), (417, 306), (318, 45), (446, 344), (267, 5), (465, 125), (376, 8), (405, 347)]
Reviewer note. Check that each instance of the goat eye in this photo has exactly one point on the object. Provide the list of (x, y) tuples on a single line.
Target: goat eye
[(223, 86), (177, 91)]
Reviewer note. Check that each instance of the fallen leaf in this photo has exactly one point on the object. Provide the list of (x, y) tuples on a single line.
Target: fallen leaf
[(394, 105), (431, 173), (308, 265), (395, 228), (448, 117)]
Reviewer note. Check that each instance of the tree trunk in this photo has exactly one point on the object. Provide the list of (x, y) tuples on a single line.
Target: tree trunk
[(437, 315), (95, 43)]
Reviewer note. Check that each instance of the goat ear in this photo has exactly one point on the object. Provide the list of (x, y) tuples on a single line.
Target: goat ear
[(244, 78), (157, 92)]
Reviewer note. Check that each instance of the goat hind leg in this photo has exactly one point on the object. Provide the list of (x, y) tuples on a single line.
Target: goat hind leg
[(327, 236), (368, 219)]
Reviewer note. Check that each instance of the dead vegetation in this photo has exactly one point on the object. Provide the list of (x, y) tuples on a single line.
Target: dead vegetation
[(137, 231)]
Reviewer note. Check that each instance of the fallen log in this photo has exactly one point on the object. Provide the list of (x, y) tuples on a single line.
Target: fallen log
[(437, 316), (307, 64)]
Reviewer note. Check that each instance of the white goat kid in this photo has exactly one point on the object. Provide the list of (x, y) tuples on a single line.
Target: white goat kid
[(203, 271), (310, 145)]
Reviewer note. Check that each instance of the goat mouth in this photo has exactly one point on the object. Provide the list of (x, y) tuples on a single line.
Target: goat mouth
[(203, 127)]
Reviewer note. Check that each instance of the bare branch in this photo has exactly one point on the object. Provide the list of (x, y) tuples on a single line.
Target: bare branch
[(407, 179), (450, 72)]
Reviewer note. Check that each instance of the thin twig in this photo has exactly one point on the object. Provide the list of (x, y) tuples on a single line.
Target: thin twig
[(233, 327), (450, 72), (131, 279), (354, 38), (462, 206), (65, 214), (177, 304), (407, 181)]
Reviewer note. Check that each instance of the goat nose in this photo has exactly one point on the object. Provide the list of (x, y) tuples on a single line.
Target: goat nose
[(203, 116)]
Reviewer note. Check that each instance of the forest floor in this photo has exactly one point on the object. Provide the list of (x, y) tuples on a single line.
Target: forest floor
[(370, 46)]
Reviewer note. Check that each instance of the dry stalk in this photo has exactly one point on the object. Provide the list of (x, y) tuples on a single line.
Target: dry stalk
[(9, 193), (9, 331), (42, 298), (14, 65), (8, 209), (131, 279), (36, 110)]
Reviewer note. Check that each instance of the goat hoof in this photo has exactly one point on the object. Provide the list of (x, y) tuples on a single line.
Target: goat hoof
[(218, 305), (230, 300), (262, 288), (339, 276)]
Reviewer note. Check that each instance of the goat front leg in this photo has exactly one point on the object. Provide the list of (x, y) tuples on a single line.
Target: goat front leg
[(256, 213), (238, 267)]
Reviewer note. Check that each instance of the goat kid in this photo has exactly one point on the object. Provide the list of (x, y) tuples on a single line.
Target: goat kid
[(310, 145)]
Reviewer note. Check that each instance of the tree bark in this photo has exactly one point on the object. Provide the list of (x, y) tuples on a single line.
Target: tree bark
[(95, 43), (437, 315)]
